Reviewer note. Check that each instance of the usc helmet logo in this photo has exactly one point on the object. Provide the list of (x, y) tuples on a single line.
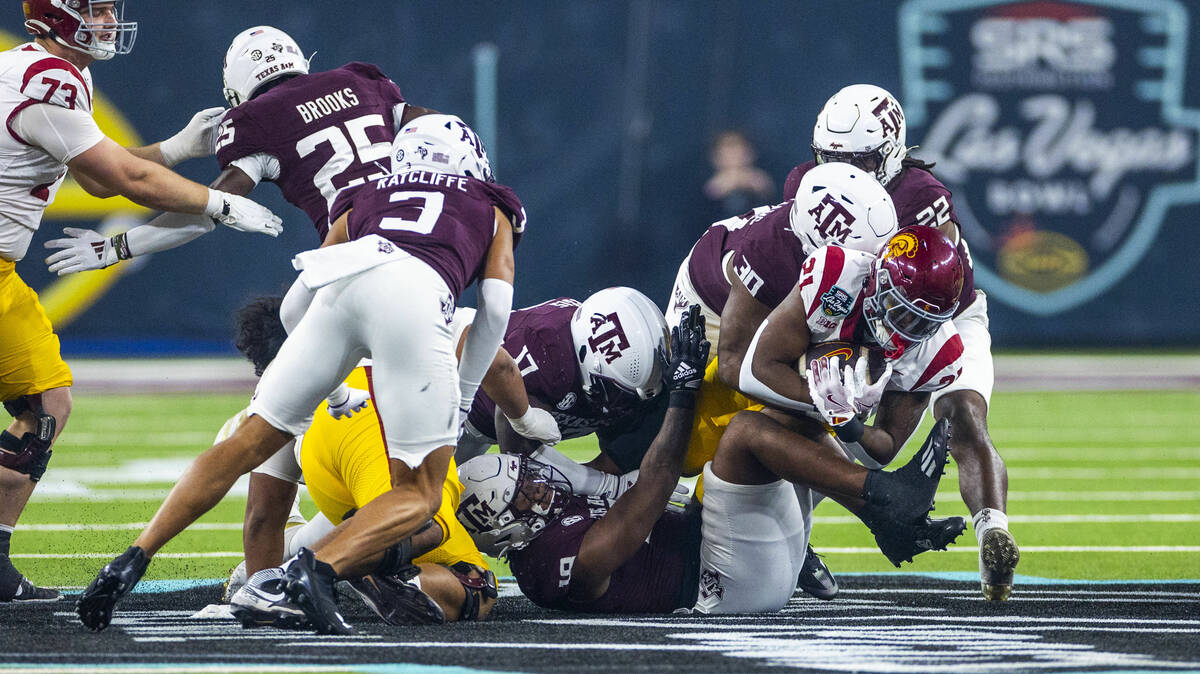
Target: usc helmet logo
[(902, 244)]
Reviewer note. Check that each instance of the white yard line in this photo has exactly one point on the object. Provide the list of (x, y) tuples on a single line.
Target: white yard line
[(1053, 519)]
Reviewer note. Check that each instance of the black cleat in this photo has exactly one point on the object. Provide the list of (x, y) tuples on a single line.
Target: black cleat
[(27, 592), (906, 494), (115, 580), (815, 578), (309, 584), (998, 557), (398, 602), (902, 542)]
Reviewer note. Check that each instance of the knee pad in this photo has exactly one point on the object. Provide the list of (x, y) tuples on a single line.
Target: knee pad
[(479, 586), (30, 453)]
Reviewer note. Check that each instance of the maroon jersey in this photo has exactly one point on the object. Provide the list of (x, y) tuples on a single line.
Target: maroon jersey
[(920, 199), (445, 220), (659, 578), (766, 256), (539, 340), (328, 131)]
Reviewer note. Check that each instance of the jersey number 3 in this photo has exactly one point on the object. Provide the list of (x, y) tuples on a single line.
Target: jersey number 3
[(428, 206)]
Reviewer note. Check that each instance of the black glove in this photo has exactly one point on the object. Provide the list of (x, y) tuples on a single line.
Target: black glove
[(688, 358)]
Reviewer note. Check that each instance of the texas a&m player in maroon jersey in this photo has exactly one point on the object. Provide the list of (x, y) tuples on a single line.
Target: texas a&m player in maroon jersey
[(384, 284), (312, 134), (864, 125)]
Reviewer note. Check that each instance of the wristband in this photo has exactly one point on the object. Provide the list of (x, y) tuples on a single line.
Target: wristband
[(683, 399), (851, 431), (120, 244), (216, 204)]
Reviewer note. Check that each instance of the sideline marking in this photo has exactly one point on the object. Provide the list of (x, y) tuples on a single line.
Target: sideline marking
[(1049, 519)]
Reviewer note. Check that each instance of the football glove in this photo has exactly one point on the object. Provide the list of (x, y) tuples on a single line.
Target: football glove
[(242, 214), (82, 250), (832, 391), (868, 394), (538, 425), (345, 401), (197, 139), (689, 352)]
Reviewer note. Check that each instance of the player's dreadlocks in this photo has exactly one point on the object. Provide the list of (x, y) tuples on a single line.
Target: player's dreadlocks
[(260, 333)]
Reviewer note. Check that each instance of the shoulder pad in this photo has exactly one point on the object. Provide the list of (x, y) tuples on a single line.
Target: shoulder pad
[(55, 81)]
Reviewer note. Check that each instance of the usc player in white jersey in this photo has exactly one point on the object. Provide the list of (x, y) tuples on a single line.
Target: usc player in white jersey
[(46, 100)]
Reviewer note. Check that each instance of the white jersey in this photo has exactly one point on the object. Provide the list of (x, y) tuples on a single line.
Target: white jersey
[(30, 176), (831, 284)]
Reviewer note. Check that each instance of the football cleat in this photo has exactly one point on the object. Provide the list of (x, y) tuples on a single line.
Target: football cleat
[(237, 579), (902, 542), (397, 601), (906, 494), (998, 556), (28, 592), (815, 578), (309, 584), (96, 603), (260, 602)]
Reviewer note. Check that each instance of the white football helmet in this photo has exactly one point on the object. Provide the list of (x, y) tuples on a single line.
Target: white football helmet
[(621, 342), (259, 55), (862, 125), (441, 143), (488, 509), (837, 204)]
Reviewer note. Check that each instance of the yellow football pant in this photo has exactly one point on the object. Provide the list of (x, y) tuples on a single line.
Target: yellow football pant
[(30, 361), (345, 467), (715, 409)]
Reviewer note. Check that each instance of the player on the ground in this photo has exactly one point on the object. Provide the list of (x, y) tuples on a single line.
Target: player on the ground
[(630, 555), (312, 134), (595, 367), (864, 125), (383, 285), (46, 98), (345, 467), (743, 267), (899, 302)]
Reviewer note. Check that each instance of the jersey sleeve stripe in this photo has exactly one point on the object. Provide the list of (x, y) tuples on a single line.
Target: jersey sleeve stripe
[(846, 334), (54, 63), (834, 262), (13, 115), (950, 352)]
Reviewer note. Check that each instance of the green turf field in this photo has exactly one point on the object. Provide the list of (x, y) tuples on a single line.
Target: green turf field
[(1102, 486)]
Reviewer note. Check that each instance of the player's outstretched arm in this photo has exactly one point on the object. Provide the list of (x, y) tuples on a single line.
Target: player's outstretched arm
[(768, 372), (197, 139), (153, 186), (610, 542), (491, 318)]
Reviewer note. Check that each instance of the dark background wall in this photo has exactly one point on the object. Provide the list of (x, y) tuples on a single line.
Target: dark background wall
[(605, 110)]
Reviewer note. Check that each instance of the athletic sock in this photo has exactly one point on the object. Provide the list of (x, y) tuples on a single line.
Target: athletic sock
[(10, 578), (5, 538), (987, 519)]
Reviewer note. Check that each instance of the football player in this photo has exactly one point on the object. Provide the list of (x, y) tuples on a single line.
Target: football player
[(900, 302), (346, 468), (46, 98), (312, 134), (383, 285), (596, 367), (864, 125), (743, 267)]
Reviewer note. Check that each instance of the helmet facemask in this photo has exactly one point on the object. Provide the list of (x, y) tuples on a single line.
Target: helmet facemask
[(869, 161), (897, 322), (538, 497)]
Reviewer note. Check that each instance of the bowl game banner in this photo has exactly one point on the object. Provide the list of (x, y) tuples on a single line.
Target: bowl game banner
[(1061, 130)]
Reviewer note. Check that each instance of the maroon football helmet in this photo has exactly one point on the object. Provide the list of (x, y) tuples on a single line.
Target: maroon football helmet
[(912, 289), (93, 27)]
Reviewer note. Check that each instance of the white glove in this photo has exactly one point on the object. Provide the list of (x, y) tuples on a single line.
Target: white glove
[(242, 214), (463, 412), (197, 139), (832, 394), (345, 401), (82, 250), (537, 424), (869, 394), (681, 497)]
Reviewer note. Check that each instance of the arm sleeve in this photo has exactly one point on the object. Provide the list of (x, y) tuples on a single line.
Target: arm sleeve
[(751, 386), (167, 231), (259, 167), (485, 337), (63, 133)]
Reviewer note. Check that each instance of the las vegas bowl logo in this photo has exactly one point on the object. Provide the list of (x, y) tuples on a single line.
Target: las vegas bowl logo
[(1061, 131)]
